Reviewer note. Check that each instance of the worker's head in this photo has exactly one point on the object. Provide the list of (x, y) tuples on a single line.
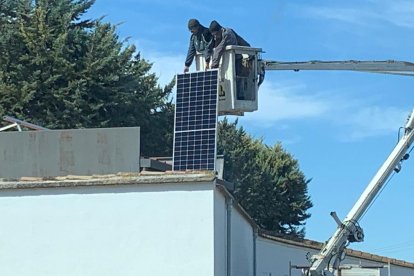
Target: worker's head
[(215, 28), (193, 25)]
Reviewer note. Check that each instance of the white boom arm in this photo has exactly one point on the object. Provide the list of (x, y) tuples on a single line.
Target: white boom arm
[(327, 261), (386, 67)]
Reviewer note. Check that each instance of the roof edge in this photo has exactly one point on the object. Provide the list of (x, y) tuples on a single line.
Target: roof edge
[(107, 180)]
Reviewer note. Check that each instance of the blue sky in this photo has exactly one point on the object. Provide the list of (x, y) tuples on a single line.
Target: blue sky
[(341, 126)]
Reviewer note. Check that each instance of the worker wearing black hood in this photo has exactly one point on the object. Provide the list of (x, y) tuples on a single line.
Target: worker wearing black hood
[(201, 41), (223, 38)]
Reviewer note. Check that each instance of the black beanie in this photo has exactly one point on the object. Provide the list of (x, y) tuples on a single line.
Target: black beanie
[(214, 26), (192, 23)]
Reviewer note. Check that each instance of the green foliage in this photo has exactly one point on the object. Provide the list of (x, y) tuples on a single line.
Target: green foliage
[(60, 72), (269, 183)]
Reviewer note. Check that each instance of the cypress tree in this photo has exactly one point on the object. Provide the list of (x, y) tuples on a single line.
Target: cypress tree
[(269, 183)]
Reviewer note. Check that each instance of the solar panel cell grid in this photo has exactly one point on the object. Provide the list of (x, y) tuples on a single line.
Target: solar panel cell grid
[(196, 121)]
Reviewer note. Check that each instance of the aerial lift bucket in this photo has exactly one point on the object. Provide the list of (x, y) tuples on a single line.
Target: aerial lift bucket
[(238, 79)]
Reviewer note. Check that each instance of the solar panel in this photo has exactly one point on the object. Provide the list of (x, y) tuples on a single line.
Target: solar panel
[(195, 129)]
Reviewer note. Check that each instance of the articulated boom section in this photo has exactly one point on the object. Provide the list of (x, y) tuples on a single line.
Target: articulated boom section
[(385, 67), (327, 261)]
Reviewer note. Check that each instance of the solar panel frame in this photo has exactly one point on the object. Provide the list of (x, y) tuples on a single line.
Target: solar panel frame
[(195, 121)]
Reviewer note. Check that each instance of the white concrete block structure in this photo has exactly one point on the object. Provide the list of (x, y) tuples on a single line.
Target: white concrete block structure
[(151, 224)]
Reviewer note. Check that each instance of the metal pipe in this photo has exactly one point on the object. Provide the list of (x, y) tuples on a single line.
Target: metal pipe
[(254, 251), (389, 268), (229, 206)]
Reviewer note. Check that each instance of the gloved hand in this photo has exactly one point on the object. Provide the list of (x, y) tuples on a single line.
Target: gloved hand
[(186, 69)]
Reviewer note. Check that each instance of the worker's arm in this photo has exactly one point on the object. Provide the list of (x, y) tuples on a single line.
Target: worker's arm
[(210, 48), (229, 38), (190, 55)]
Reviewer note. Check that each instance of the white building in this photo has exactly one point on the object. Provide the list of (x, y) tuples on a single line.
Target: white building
[(151, 224), (146, 224)]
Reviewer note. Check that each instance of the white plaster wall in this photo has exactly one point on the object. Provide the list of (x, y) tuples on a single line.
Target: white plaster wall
[(132, 230), (273, 258), (220, 234), (235, 257), (242, 259)]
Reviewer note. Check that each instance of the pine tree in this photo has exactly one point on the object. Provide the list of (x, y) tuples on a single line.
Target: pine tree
[(58, 70)]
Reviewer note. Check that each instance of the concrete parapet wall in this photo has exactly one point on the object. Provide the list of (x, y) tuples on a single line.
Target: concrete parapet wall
[(66, 152)]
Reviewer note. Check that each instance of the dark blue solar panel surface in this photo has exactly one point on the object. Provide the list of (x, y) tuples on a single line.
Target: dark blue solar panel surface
[(196, 121)]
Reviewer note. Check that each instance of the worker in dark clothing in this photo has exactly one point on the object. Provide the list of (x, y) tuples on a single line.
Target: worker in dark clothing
[(223, 38), (201, 41)]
